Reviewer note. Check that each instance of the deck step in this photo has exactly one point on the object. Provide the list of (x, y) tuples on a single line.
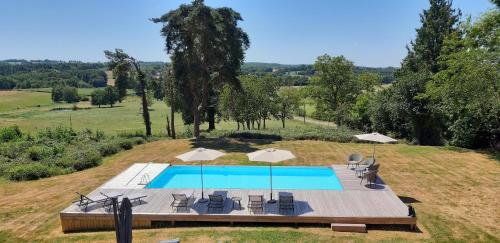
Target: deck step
[(359, 228)]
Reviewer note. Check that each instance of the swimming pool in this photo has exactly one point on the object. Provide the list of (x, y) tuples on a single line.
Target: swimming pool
[(247, 177)]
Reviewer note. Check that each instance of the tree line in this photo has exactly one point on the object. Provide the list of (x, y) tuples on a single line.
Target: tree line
[(446, 91), (22, 74)]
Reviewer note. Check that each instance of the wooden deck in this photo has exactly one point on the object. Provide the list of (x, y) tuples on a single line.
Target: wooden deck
[(355, 204)]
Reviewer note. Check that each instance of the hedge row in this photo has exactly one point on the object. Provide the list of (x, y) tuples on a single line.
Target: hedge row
[(340, 134)]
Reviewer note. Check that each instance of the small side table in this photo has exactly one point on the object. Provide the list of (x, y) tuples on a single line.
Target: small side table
[(236, 199)]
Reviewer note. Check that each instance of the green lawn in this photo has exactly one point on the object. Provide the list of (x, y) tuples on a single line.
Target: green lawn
[(455, 194), (123, 117)]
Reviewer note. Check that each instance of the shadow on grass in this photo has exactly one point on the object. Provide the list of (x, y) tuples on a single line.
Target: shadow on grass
[(394, 227), (408, 200), (491, 153), (229, 145)]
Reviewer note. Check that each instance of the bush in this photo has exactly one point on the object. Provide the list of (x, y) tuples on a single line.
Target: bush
[(109, 148), (138, 140), (10, 133), (126, 144), (37, 153), (57, 151), (30, 171), (254, 135), (81, 159), (85, 98)]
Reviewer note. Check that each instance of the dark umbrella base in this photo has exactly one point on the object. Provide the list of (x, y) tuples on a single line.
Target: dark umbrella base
[(203, 200), (271, 201)]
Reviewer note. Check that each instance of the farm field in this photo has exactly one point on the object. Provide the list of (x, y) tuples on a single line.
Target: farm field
[(32, 111), (454, 193)]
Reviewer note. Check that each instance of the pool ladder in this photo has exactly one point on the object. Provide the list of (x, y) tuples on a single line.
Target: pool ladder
[(145, 179)]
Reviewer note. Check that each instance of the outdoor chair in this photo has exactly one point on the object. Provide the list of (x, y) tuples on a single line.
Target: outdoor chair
[(286, 203), (180, 201), (365, 165), (354, 160), (255, 202), (215, 202), (85, 201), (370, 177)]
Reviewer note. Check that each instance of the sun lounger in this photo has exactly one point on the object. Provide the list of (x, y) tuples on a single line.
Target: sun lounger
[(215, 202), (354, 160), (85, 201), (255, 202), (132, 197), (286, 203)]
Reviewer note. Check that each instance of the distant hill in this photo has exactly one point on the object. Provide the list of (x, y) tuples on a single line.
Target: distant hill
[(306, 70), (20, 73)]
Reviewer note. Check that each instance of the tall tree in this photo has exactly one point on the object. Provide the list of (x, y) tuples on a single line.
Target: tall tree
[(121, 83), (171, 98), (467, 90), (121, 60), (334, 87), (207, 50), (287, 104), (424, 125), (438, 22)]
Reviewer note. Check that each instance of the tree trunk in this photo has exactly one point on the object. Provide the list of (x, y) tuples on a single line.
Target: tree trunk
[(283, 121), (172, 121), (196, 121), (264, 123), (145, 111), (253, 125), (238, 128), (169, 133), (142, 86), (258, 124), (211, 118), (248, 124)]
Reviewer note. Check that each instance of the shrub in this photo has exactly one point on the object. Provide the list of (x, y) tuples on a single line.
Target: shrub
[(10, 133), (13, 150), (30, 171), (81, 159), (109, 148), (87, 159), (254, 135), (85, 98), (126, 144), (138, 140), (37, 153)]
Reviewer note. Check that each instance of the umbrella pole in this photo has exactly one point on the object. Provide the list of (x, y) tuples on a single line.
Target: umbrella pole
[(374, 150), (271, 179), (202, 200)]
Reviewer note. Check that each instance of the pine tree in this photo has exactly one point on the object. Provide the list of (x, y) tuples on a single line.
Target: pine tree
[(423, 123)]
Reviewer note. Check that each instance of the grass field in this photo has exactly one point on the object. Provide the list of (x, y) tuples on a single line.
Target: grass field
[(455, 193), (21, 108)]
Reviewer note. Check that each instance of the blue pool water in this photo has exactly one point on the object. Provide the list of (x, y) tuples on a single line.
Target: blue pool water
[(248, 177)]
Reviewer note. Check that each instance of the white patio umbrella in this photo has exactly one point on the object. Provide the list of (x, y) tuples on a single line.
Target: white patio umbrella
[(270, 155), (200, 154), (375, 137)]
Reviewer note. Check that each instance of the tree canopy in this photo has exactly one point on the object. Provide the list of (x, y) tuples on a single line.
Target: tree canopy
[(207, 50)]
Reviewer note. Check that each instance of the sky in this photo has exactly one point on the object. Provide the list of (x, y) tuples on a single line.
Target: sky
[(368, 32)]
